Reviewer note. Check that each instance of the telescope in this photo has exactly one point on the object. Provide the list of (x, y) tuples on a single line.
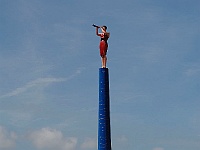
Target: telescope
[(95, 26)]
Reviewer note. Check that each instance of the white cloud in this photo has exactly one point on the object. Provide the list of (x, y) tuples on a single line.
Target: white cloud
[(7, 139), (40, 82), (158, 148), (89, 143), (122, 139), (47, 138), (192, 71), (37, 82)]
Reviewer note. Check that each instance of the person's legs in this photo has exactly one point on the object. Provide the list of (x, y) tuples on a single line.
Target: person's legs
[(104, 60)]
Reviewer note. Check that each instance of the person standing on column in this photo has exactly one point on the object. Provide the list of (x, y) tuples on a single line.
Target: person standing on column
[(103, 46)]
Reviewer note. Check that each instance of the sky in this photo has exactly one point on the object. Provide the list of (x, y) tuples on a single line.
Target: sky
[(49, 68)]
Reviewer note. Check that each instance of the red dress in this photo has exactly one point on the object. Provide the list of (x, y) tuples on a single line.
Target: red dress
[(103, 46)]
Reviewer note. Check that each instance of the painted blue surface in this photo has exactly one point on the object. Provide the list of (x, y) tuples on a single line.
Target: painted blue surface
[(104, 134)]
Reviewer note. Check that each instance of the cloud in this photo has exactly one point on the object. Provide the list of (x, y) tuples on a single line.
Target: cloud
[(122, 139), (158, 148), (40, 82), (192, 71), (89, 143), (47, 138), (7, 139), (37, 82)]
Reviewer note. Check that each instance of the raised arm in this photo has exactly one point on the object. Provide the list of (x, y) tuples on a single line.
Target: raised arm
[(97, 31)]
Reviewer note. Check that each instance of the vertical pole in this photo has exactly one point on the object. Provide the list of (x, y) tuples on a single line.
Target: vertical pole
[(104, 135)]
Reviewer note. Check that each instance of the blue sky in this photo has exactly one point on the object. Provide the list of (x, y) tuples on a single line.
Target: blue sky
[(49, 61)]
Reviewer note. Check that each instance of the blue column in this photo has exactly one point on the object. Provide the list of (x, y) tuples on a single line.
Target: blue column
[(104, 135)]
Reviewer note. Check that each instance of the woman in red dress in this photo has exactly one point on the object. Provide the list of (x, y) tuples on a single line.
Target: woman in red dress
[(103, 46)]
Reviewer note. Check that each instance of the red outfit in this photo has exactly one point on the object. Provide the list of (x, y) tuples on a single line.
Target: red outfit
[(103, 46)]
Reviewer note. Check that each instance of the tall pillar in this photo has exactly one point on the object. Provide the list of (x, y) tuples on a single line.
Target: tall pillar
[(104, 134)]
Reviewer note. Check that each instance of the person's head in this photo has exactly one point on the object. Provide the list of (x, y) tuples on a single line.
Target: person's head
[(104, 28)]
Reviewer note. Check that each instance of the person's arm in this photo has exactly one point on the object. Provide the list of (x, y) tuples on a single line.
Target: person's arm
[(97, 31)]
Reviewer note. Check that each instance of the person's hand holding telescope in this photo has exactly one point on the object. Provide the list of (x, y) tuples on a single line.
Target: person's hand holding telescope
[(95, 26)]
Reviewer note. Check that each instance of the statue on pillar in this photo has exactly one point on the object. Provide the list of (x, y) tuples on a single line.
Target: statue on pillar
[(103, 46)]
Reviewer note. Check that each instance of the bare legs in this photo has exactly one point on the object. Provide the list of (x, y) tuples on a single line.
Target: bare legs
[(104, 60)]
